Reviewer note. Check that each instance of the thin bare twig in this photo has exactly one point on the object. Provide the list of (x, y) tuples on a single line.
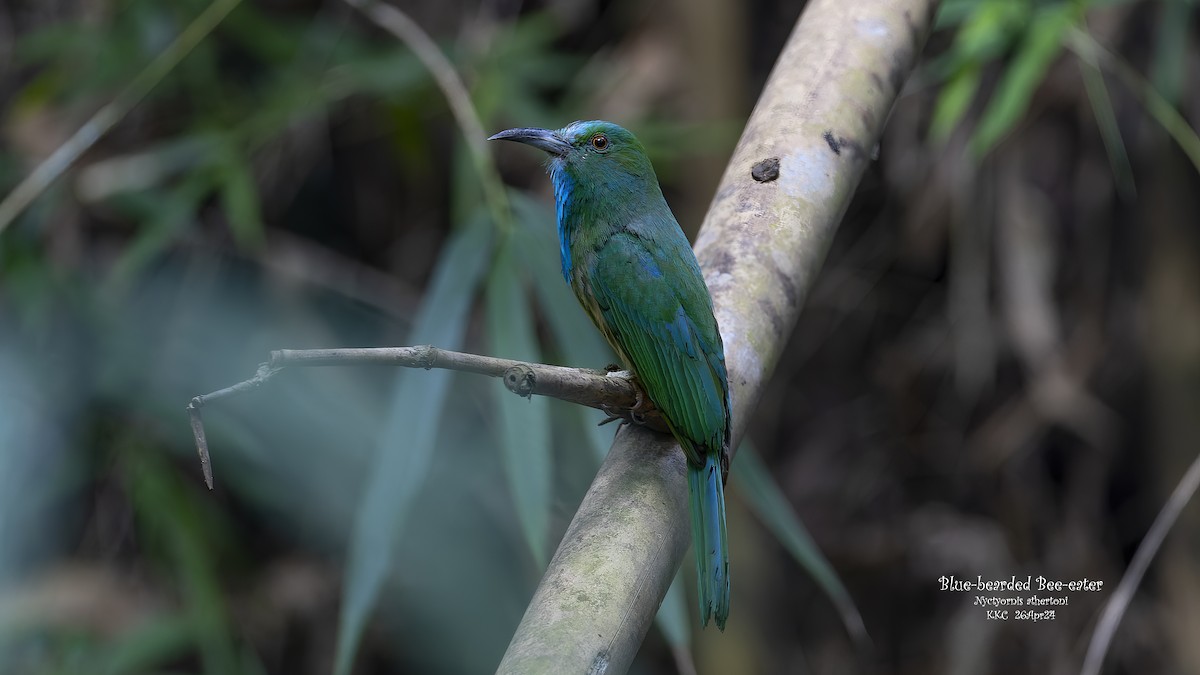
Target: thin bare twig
[(107, 117), (1114, 610), (615, 393)]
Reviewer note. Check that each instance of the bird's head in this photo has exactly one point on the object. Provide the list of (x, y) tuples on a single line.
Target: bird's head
[(594, 148)]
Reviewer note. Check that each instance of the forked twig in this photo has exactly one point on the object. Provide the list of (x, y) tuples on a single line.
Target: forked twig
[(615, 393)]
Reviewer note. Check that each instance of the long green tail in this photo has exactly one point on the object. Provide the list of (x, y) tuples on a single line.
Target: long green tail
[(709, 540)]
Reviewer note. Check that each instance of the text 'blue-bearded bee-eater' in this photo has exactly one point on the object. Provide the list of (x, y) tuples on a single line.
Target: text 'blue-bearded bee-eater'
[(633, 271)]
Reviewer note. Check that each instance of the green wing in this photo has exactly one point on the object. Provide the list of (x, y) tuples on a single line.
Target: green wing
[(655, 306)]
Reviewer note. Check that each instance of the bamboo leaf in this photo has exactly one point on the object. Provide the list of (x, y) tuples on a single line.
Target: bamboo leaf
[(767, 501), (164, 217), (152, 644), (524, 424), (954, 12), (407, 442), (1170, 54), (172, 517), (1042, 44), (987, 31), (952, 103), (1110, 132), (239, 197), (673, 621), (1086, 47)]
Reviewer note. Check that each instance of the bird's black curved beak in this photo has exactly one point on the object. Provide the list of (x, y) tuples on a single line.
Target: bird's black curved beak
[(545, 139)]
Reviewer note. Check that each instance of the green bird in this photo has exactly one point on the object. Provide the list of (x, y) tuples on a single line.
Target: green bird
[(632, 269)]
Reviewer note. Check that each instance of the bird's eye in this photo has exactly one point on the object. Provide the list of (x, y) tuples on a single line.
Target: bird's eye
[(600, 142)]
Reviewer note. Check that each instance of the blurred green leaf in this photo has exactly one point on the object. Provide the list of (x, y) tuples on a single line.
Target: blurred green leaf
[(954, 12), (1042, 43), (30, 281), (53, 42), (768, 502), (172, 517), (520, 66), (673, 620), (1110, 132), (272, 39), (1170, 48), (403, 457), (154, 643), (670, 142), (988, 29), (392, 75), (524, 425), (239, 197), (61, 48), (163, 218), (1086, 47), (953, 102)]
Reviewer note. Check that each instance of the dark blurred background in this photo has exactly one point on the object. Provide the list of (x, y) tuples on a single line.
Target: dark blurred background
[(997, 372)]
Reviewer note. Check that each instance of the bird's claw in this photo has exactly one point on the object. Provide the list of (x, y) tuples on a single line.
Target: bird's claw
[(635, 415), (641, 404), (638, 412), (613, 416)]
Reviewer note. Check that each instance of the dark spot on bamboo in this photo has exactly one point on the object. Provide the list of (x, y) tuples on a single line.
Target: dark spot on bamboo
[(834, 144), (766, 170), (772, 314), (839, 143), (896, 75), (789, 288), (723, 262)]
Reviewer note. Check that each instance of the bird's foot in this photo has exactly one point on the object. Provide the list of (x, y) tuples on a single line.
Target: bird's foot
[(618, 416), (638, 412), (642, 405)]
